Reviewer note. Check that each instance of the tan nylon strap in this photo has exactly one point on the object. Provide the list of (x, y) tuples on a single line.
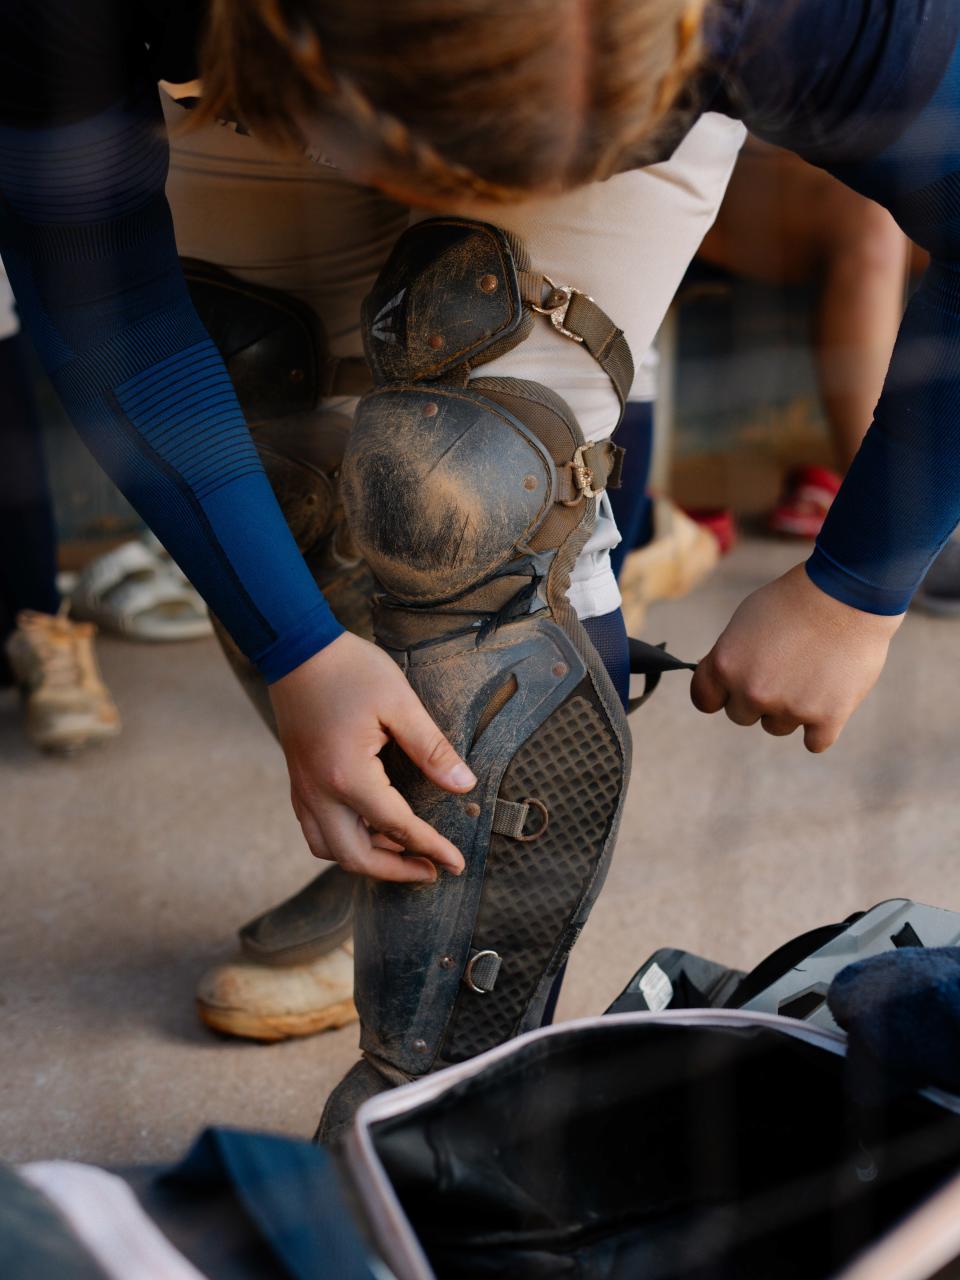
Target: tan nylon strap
[(605, 342), (578, 317), (531, 286), (510, 818)]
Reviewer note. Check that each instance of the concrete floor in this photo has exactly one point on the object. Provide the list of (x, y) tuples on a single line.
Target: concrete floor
[(127, 869)]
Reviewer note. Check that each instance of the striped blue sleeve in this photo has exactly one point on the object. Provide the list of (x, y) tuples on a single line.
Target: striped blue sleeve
[(87, 238), (900, 500)]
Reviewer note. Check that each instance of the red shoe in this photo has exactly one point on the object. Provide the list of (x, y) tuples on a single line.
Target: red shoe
[(807, 497), (719, 521)]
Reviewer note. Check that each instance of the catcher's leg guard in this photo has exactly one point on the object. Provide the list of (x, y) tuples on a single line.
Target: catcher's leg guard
[(470, 503)]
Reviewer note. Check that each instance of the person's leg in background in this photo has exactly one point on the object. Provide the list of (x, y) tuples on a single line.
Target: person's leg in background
[(28, 537), (49, 657), (631, 503), (785, 222)]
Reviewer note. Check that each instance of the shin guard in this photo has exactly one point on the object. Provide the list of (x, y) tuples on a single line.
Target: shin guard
[(470, 503)]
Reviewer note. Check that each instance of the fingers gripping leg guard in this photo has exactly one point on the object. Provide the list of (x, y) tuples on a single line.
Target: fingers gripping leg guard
[(470, 504)]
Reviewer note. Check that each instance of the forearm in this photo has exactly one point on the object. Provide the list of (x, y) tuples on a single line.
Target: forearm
[(93, 262), (901, 498)]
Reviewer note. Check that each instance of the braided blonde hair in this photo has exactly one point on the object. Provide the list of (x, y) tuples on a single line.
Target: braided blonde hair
[(486, 99)]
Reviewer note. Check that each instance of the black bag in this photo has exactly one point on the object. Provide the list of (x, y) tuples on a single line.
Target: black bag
[(687, 1144)]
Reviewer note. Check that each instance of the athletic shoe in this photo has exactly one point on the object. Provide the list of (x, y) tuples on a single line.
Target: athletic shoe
[(67, 703), (718, 521), (276, 1002), (940, 590), (807, 497)]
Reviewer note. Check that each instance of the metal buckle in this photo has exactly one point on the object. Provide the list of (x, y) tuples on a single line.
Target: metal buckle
[(583, 475), (558, 304)]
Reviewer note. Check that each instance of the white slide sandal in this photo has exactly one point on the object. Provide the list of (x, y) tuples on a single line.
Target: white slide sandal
[(135, 592)]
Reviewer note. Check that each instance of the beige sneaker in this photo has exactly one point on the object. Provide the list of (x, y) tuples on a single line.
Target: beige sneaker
[(67, 703), (680, 555), (276, 1002)]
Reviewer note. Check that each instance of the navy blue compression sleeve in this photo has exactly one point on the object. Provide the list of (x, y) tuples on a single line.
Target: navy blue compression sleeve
[(87, 238), (901, 498), (867, 90)]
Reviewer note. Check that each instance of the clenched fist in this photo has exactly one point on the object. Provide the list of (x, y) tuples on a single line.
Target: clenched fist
[(791, 656)]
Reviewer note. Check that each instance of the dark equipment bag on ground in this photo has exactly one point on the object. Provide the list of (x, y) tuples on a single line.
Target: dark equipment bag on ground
[(674, 1146), (687, 1144)]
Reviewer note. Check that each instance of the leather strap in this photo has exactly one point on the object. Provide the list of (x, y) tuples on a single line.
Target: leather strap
[(651, 661), (577, 316), (605, 342)]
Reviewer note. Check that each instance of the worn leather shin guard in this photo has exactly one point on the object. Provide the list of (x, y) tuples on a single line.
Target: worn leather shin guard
[(470, 503)]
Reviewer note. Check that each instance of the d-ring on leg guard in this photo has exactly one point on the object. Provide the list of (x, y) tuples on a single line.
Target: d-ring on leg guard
[(470, 503)]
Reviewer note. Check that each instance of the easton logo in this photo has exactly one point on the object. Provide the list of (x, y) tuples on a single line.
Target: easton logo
[(383, 321)]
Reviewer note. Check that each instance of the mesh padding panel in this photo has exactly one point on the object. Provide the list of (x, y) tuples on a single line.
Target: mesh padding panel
[(531, 892)]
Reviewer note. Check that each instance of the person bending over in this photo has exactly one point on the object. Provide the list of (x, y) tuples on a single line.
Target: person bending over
[(497, 105)]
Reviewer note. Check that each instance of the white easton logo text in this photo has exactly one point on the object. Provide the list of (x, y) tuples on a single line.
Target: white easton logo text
[(382, 326)]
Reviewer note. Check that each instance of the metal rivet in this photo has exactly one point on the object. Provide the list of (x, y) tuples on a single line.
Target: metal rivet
[(446, 962), (488, 284), (435, 341), (559, 669), (529, 482), (420, 1046), (472, 809), (430, 409), (297, 375)]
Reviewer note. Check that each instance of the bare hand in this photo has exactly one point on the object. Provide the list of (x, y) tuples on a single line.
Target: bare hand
[(334, 715), (791, 656)]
